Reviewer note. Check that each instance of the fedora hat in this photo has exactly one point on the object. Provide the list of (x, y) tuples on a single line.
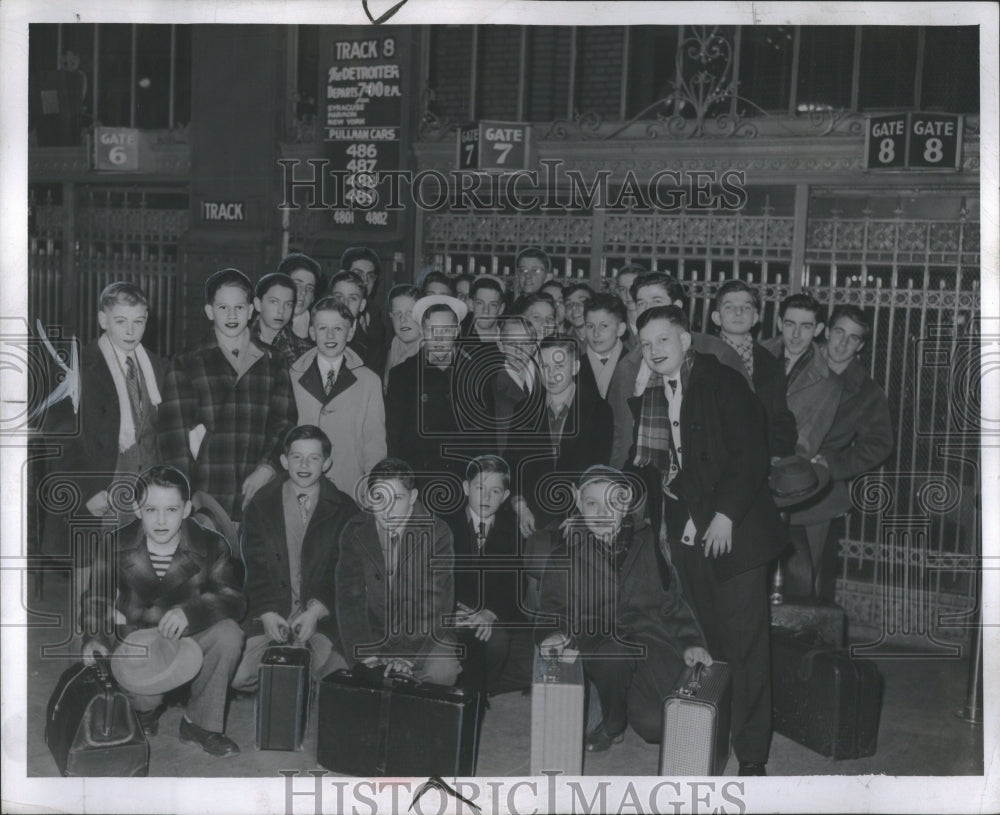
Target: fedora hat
[(149, 663), (795, 479), (429, 300), (209, 513)]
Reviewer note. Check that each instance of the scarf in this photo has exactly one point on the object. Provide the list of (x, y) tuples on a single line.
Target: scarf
[(743, 347), (126, 428)]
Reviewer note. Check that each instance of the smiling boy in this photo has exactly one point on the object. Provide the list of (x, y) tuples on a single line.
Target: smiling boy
[(336, 392)]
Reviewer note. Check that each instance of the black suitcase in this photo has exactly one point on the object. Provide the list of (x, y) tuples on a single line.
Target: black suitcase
[(696, 722), (822, 698), (370, 725), (91, 728), (281, 706)]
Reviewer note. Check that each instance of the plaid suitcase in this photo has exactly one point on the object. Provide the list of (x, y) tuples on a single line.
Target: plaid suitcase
[(557, 716), (696, 722), (372, 725), (91, 728), (281, 706)]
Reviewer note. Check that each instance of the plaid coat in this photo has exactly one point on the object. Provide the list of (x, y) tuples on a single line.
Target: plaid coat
[(202, 581), (245, 419)]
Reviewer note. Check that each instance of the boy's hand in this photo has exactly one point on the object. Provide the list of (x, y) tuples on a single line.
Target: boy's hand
[(525, 517), (692, 656), (304, 626), (99, 504), (275, 626), (253, 482), (399, 665), (718, 536), (553, 645), (91, 650), (173, 623), (482, 621)]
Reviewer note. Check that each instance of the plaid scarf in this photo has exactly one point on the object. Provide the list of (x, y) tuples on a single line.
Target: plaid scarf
[(743, 347), (654, 442)]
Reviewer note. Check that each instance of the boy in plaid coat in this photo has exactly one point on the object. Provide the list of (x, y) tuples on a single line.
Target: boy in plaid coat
[(227, 402)]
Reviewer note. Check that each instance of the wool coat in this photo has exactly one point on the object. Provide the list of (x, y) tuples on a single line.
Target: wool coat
[(245, 419), (352, 415), (770, 386)]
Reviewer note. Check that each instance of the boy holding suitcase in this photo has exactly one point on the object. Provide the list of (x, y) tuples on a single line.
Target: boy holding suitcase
[(289, 547), (172, 573), (609, 593)]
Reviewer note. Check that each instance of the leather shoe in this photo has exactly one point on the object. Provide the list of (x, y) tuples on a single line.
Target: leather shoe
[(149, 721), (753, 768), (215, 744), (598, 740)]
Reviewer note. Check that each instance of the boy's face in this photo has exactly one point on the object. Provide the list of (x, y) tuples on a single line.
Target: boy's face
[(736, 314), (845, 340), (555, 290), (558, 369), (462, 291), (649, 296), (162, 513), (574, 308), (230, 311), (305, 462), (625, 282), (406, 328), (437, 287), (350, 295), (517, 346), (487, 305), (798, 327), (486, 492), (603, 506), (603, 330), (391, 501), (365, 269), (543, 317), (305, 289), (331, 332), (440, 331), (664, 346), (530, 274), (124, 325), (275, 307)]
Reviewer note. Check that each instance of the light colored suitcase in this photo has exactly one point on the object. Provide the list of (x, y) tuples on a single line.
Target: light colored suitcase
[(557, 716), (696, 722)]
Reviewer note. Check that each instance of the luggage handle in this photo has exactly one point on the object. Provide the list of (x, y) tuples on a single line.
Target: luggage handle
[(694, 683)]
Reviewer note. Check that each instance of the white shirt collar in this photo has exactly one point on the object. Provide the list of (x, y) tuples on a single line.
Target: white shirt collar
[(556, 403), (326, 365)]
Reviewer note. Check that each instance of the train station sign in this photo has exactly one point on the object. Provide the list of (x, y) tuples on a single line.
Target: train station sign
[(493, 146), (913, 141)]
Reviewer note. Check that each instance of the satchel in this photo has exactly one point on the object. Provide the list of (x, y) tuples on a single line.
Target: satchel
[(90, 725)]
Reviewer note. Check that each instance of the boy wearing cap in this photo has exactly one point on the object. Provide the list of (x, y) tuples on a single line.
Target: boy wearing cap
[(289, 548), (339, 394), (227, 402), (614, 598), (172, 574)]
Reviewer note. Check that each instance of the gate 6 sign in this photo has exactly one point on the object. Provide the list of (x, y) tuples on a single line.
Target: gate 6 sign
[(116, 148), (913, 140), (496, 146)]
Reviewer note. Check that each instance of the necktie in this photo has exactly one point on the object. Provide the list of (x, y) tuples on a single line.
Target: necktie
[(331, 377), (304, 508), (482, 534), (132, 386), (788, 364), (673, 385), (604, 360), (236, 352), (393, 551)]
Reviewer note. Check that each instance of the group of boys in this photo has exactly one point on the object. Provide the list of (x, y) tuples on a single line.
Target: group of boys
[(596, 428)]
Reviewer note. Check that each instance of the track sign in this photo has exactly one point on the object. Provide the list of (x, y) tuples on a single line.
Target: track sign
[(935, 140), (885, 141), (116, 148), (493, 146)]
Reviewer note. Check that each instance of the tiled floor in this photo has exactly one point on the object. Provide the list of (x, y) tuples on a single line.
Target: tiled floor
[(919, 733)]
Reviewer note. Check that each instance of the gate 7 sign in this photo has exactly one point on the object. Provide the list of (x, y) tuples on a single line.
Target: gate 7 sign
[(493, 146)]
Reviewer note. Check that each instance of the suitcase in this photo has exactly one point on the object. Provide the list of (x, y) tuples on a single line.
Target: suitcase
[(822, 698), (557, 716), (281, 706), (373, 725), (696, 722), (91, 728)]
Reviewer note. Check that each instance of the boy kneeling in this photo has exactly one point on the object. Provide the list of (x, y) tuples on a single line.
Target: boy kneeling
[(615, 599), (173, 574)]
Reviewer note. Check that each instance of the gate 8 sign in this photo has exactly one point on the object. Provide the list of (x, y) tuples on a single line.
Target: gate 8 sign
[(885, 141), (913, 140)]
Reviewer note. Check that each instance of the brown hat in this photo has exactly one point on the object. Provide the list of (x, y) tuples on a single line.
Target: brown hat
[(209, 513), (795, 479), (149, 663)]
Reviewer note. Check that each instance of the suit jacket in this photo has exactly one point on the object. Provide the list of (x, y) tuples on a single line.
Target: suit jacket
[(202, 581), (245, 419), (860, 439), (770, 386), (371, 343), (724, 468), (813, 395), (353, 415), (646, 604), (587, 376), (495, 584), (264, 549), (622, 388), (395, 615), (91, 456)]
